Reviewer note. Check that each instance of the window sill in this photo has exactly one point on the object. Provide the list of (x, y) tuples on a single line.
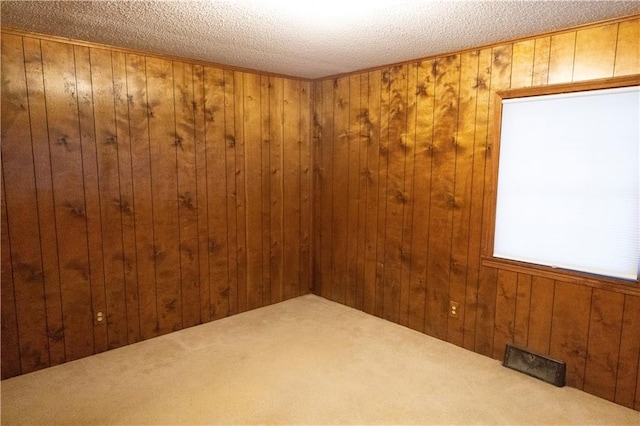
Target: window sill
[(611, 284)]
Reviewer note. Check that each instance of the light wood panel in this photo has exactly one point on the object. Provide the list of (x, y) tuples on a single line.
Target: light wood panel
[(428, 140), (133, 186)]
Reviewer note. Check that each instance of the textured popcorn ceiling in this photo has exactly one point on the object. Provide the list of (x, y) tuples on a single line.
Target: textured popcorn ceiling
[(305, 38)]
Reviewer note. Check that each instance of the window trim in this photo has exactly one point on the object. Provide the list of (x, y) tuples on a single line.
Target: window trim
[(493, 150)]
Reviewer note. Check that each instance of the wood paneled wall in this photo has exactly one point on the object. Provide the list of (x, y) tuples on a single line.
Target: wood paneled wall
[(401, 170), (161, 193)]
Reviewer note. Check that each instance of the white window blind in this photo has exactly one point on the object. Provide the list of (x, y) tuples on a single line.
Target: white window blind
[(568, 193)]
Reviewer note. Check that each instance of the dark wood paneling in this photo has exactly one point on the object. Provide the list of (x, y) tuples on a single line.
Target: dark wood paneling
[(383, 173), (126, 201), (541, 308), (93, 203), (46, 210), (478, 173), (570, 328), (241, 190), (9, 330), (628, 375), (27, 316), (139, 116), (395, 195), (340, 184), (291, 190), (425, 99), (427, 129), (411, 194), (276, 184), (461, 203), (371, 133), (61, 97), (505, 312), (409, 146), (253, 158), (107, 150), (163, 145), (215, 143), (353, 189), (605, 328), (133, 187)]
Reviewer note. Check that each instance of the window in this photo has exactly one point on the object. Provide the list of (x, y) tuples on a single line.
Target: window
[(568, 178)]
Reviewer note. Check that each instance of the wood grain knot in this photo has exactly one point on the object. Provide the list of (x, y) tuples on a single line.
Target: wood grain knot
[(187, 201), (75, 210), (111, 141)]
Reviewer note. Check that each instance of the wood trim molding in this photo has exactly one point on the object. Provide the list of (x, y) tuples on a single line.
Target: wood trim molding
[(612, 284), (605, 283), (487, 46), (581, 86), (24, 33)]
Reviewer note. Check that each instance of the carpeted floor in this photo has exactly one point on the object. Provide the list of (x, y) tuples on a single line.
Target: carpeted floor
[(303, 361)]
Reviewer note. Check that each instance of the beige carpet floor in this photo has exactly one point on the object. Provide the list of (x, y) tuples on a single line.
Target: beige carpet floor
[(303, 361)]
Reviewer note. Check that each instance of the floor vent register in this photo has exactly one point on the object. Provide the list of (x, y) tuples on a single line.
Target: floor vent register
[(535, 365)]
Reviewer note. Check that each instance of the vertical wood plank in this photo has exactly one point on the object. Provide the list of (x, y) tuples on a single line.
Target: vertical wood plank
[(464, 156), (541, 61), (340, 183), (542, 295), (253, 173), (163, 145), (93, 202), (595, 52), (353, 190), (506, 297), (363, 181), (396, 197), (46, 209), (629, 358), (485, 311), (291, 188), (383, 167), (523, 311), (637, 407), (425, 94), (627, 59), (603, 348), (126, 204), (200, 140), (231, 189), (276, 106), (569, 332), (481, 152), (409, 148), (523, 64), (184, 107), (20, 203), (371, 119), (266, 188), (318, 186), (139, 116), (326, 174), (306, 189), (10, 363), (107, 149), (241, 190), (442, 194), (561, 55), (501, 60), (69, 194), (218, 150)]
